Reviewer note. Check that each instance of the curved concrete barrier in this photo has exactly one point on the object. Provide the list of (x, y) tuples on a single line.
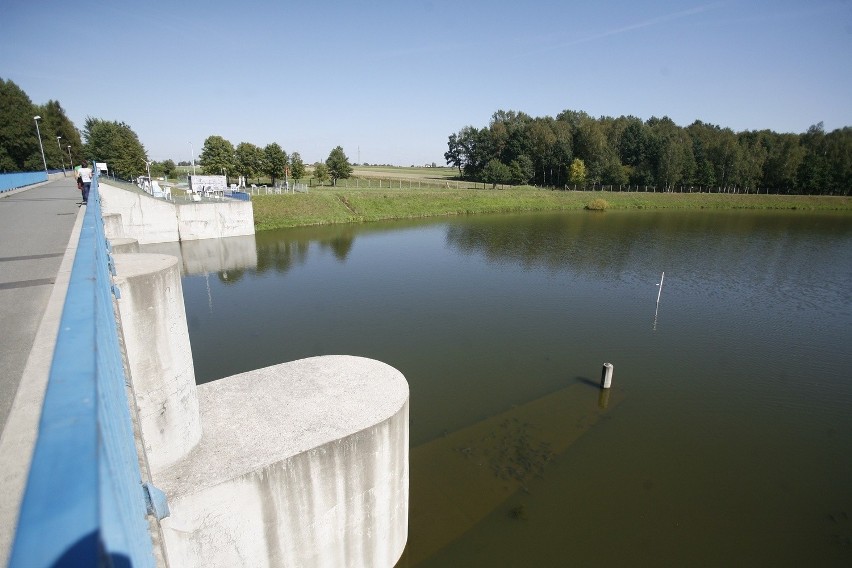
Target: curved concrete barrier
[(301, 464), (124, 245)]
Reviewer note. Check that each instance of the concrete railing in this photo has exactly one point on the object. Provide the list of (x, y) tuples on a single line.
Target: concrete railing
[(85, 502), (20, 179)]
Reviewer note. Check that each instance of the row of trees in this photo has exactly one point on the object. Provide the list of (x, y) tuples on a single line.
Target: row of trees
[(19, 143), (118, 145), (575, 148), (107, 141), (219, 156)]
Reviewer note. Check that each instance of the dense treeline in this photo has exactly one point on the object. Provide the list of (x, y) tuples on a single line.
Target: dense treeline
[(19, 144), (111, 142), (576, 149)]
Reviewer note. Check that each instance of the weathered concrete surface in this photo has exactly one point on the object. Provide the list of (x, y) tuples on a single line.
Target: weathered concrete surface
[(231, 218), (144, 218), (113, 228), (151, 220), (153, 323), (123, 245), (301, 464)]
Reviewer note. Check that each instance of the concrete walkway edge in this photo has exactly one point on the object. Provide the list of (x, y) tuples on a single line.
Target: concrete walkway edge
[(18, 437)]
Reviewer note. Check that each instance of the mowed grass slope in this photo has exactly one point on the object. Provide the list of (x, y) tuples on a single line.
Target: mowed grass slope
[(334, 205)]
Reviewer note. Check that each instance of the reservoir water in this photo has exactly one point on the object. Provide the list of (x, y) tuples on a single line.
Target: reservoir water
[(726, 438)]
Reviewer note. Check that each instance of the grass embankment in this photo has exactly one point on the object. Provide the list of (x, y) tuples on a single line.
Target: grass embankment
[(335, 205)]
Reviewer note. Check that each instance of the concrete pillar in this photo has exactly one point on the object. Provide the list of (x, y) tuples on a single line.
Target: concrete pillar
[(153, 324), (606, 376), (113, 227), (124, 245)]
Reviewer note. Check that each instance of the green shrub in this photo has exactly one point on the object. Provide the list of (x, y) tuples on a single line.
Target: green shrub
[(597, 205)]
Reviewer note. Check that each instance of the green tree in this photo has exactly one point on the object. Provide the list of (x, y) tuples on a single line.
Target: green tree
[(634, 152), (542, 139), (705, 175), (522, 170), (469, 151), (508, 136), (577, 172), (753, 159), (784, 153), (590, 145), (169, 167), (454, 155), (320, 173), (838, 149), (275, 161), (725, 154), (670, 152), (157, 169), (496, 172), (613, 172), (338, 165), (19, 148), (217, 156), (56, 123), (116, 144), (297, 166), (249, 159)]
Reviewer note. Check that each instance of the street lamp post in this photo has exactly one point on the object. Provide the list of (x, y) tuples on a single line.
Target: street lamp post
[(40, 145), (150, 185), (61, 157), (70, 161), (192, 153)]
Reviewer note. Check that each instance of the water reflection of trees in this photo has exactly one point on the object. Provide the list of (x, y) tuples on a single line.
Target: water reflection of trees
[(279, 251), (283, 249), (612, 242), (553, 242)]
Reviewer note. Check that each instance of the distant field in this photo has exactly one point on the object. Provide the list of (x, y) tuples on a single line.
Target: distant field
[(363, 172), (405, 173)]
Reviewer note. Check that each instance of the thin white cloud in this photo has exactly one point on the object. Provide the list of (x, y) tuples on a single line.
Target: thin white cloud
[(636, 26)]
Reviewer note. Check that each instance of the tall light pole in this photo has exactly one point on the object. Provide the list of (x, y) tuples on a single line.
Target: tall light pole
[(150, 185), (192, 153), (70, 161), (40, 145), (61, 157)]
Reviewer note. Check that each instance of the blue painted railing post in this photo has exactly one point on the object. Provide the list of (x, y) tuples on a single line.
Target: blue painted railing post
[(84, 504)]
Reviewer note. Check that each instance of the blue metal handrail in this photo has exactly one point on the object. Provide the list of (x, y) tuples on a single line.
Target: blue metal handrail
[(20, 179), (84, 504)]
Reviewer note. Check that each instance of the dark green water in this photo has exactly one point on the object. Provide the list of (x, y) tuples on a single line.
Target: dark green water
[(731, 439)]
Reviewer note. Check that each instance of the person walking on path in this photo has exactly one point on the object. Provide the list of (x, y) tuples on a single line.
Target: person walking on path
[(85, 177)]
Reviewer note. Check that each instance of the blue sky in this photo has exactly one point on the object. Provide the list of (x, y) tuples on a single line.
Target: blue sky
[(390, 81)]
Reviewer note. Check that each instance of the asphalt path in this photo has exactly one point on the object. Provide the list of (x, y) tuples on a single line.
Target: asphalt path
[(35, 227)]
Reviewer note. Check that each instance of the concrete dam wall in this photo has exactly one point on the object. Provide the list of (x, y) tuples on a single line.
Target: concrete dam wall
[(304, 463)]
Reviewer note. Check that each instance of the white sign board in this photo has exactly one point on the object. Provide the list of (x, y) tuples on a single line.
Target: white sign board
[(102, 167), (214, 183)]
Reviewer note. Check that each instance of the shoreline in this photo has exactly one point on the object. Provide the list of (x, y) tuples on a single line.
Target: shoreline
[(329, 205)]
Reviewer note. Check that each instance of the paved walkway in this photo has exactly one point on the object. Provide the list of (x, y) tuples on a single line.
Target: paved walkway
[(39, 229)]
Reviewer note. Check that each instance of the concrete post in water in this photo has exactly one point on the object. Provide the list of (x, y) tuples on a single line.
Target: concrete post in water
[(606, 376)]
